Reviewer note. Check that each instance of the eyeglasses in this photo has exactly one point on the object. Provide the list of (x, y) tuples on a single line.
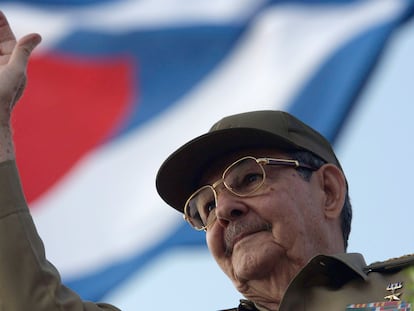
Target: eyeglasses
[(242, 178)]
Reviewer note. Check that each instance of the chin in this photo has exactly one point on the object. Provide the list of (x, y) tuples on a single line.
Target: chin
[(259, 261), (252, 265)]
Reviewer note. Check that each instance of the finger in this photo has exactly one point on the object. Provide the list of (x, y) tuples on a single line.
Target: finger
[(23, 49), (6, 34)]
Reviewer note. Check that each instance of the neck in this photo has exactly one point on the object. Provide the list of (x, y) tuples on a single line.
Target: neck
[(265, 294)]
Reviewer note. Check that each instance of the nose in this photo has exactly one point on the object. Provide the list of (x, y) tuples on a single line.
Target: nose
[(229, 207)]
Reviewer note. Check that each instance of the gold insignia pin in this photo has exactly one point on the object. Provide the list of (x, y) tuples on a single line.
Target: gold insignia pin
[(392, 287)]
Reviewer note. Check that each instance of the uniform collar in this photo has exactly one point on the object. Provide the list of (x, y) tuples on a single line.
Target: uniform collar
[(323, 270), (353, 261)]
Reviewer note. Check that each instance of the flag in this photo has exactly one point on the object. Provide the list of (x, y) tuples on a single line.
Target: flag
[(116, 86)]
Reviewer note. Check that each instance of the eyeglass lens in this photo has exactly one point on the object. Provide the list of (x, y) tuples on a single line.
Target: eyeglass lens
[(241, 178)]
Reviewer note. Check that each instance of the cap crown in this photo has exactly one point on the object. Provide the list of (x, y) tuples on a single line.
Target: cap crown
[(179, 175)]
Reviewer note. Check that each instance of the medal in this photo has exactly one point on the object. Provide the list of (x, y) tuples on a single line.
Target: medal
[(393, 301)]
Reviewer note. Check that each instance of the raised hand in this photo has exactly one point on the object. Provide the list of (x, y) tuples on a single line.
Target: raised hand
[(14, 56)]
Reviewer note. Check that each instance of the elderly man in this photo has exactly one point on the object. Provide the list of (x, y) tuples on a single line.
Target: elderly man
[(266, 199), (268, 191), (273, 200)]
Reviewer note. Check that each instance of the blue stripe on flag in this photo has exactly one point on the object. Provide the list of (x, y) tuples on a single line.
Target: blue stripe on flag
[(169, 62), (98, 283), (327, 100)]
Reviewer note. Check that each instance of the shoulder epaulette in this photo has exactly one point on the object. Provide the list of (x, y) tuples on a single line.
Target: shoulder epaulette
[(391, 264)]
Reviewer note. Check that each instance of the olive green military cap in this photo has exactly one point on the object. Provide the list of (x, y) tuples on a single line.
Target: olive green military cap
[(179, 175)]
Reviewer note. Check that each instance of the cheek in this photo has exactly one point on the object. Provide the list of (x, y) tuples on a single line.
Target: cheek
[(284, 209), (279, 204), (215, 243), (297, 220), (217, 249)]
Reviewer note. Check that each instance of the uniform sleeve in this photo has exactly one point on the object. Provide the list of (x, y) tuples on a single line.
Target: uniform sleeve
[(27, 280)]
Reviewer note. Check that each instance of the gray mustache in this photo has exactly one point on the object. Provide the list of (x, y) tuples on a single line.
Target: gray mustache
[(235, 230)]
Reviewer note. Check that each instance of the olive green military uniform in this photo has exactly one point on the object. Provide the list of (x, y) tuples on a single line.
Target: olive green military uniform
[(29, 282), (344, 282)]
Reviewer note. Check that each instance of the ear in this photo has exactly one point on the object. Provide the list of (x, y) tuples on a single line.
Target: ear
[(334, 188)]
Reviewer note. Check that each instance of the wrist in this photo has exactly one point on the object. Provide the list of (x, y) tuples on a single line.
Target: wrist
[(5, 116), (6, 143)]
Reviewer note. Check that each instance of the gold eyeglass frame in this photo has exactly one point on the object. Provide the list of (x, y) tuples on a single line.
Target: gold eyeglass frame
[(261, 162)]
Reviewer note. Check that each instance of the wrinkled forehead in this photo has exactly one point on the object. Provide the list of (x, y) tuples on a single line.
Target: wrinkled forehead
[(216, 167)]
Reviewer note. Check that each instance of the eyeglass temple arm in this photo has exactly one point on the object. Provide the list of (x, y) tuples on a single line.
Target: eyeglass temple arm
[(294, 163)]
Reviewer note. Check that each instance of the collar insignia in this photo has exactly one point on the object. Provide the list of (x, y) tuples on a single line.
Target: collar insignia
[(393, 287)]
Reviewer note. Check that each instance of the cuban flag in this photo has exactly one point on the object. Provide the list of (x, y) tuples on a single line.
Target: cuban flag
[(118, 85)]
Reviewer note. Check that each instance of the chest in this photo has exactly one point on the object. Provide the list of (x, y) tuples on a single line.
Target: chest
[(356, 294)]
